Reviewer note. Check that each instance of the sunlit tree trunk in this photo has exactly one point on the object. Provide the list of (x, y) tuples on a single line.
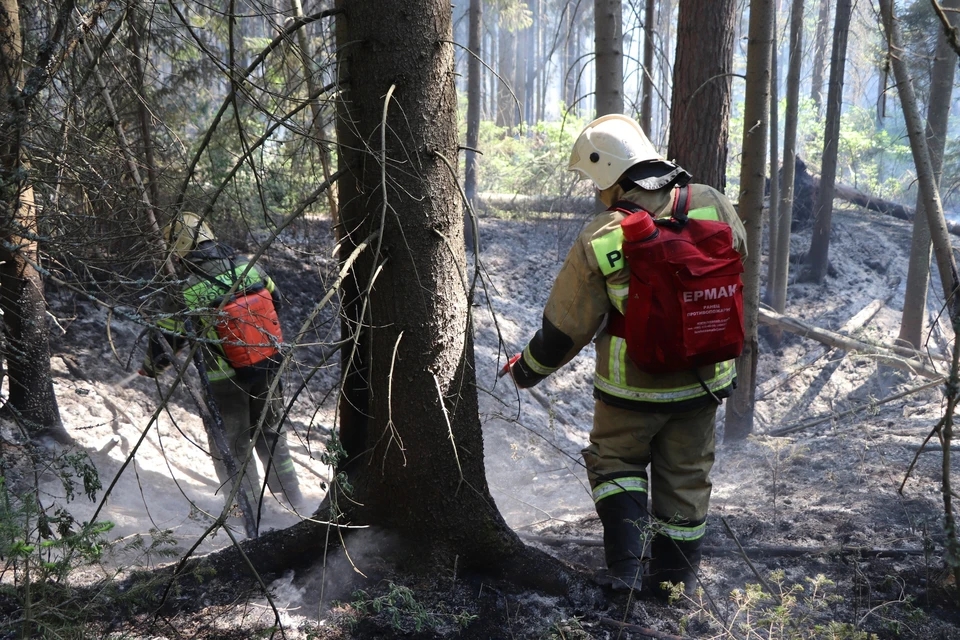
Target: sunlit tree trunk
[(938, 110), (700, 111), (414, 431), (756, 112), (780, 266), (31, 401), (608, 46), (774, 195), (815, 266), (819, 53)]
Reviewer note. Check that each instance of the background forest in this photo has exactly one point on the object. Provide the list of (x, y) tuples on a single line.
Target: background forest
[(399, 167)]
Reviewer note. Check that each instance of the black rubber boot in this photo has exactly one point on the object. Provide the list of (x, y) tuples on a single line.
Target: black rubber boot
[(674, 561), (624, 519)]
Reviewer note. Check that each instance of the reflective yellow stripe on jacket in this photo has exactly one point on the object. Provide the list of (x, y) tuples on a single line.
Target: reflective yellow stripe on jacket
[(616, 386)]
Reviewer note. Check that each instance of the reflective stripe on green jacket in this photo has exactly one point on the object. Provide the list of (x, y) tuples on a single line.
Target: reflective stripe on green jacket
[(594, 281)]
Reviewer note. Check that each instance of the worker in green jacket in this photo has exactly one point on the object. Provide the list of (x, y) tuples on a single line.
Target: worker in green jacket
[(241, 369)]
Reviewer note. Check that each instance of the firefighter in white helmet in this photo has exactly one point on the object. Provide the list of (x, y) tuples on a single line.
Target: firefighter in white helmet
[(640, 418), (241, 385)]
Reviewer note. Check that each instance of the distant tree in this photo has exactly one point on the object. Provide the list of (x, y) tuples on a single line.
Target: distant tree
[(819, 54), (649, 29), (507, 70), (738, 423), (779, 266), (700, 111), (474, 96), (938, 110), (409, 417), (608, 49), (817, 260)]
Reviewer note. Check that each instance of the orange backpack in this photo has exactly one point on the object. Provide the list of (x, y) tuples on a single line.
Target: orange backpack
[(249, 328)]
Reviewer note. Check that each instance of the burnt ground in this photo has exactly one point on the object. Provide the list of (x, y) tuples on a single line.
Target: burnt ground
[(819, 514)]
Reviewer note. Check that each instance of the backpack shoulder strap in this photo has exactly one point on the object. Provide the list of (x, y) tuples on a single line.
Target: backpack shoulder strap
[(681, 202), (681, 205)]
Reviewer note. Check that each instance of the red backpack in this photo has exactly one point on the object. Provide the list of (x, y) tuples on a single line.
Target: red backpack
[(685, 306)]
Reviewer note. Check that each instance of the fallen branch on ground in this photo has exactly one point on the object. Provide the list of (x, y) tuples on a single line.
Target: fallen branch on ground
[(895, 356), (855, 323)]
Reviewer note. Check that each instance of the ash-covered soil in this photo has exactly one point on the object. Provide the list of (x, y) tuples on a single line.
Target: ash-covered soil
[(846, 509)]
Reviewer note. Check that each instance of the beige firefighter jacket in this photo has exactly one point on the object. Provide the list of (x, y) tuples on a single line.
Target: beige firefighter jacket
[(582, 297)]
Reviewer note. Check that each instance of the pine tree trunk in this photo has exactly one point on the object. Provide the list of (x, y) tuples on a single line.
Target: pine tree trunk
[(646, 107), (815, 267), (32, 401), (414, 432), (819, 53), (608, 47), (938, 110), (773, 216), (926, 176), (740, 406), (700, 112), (507, 68), (474, 97), (778, 297)]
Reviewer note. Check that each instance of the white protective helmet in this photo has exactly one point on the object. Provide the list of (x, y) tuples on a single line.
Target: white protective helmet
[(607, 147), (186, 232)]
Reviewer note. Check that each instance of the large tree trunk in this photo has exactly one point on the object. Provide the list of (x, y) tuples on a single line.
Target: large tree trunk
[(608, 47), (780, 267), (413, 432), (700, 115), (32, 401), (815, 268), (740, 406), (926, 176), (938, 110), (819, 53)]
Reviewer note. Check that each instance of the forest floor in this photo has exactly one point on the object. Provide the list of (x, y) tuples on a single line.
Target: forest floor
[(820, 513)]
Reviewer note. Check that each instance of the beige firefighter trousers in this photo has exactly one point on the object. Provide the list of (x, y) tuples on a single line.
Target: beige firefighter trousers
[(241, 404), (679, 447)]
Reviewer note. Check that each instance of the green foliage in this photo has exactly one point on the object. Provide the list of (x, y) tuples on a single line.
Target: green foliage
[(872, 156), (792, 612), (532, 162), (404, 613), (42, 545)]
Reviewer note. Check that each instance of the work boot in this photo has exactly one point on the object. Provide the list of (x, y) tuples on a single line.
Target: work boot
[(674, 561), (624, 519)]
